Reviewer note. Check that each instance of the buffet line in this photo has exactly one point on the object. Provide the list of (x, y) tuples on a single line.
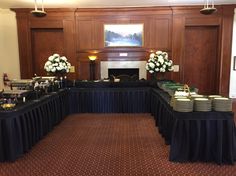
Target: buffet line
[(23, 90), (197, 127)]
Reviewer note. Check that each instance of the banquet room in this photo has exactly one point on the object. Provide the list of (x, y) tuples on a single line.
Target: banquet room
[(117, 87)]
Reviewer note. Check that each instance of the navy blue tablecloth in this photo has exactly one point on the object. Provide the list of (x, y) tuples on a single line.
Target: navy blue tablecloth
[(23, 127), (110, 100), (195, 136)]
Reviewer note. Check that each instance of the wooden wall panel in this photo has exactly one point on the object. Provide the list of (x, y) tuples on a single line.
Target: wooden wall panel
[(85, 37), (226, 45), (157, 28), (201, 59), (44, 43), (98, 41), (34, 49), (83, 70), (161, 35)]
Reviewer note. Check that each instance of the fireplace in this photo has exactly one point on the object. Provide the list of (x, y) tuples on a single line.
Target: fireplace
[(124, 67)]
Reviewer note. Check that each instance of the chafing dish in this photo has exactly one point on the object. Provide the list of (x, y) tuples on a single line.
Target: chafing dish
[(45, 78), (22, 84), (18, 93)]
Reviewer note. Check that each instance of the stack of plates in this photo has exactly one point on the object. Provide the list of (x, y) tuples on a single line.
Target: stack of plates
[(202, 104), (222, 104), (174, 98), (183, 105)]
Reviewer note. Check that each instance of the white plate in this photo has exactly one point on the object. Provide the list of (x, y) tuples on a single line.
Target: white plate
[(183, 99), (201, 99), (221, 98)]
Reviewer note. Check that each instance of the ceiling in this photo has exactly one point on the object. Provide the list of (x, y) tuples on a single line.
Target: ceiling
[(104, 3)]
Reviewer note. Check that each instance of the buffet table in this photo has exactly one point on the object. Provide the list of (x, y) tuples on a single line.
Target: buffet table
[(110, 100), (195, 136), (23, 127)]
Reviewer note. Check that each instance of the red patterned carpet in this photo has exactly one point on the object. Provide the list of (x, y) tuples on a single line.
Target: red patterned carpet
[(106, 145)]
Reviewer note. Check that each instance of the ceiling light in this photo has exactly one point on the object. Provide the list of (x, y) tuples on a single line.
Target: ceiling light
[(208, 8), (36, 12)]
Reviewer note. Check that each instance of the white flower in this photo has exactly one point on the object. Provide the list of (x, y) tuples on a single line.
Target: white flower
[(55, 63), (152, 55), (51, 58), (53, 69), (64, 58), (56, 55), (159, 62), (159, 52), (152, 65), (57, 59), (160, 59)]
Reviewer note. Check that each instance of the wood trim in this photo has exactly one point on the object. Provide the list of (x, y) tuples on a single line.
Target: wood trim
[(178, 31), (46, 24), (70, 47), (213, 21), (123, 11), (24, 48)]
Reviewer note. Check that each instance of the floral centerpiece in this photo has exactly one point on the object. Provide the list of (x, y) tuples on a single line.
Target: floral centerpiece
[(159, 62), (57, 64)]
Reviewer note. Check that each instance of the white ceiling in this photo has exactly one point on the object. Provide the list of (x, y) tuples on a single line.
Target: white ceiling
[(104, 3)]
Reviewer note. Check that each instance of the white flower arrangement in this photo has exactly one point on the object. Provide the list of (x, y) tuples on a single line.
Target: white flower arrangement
[(159, 62), (57, 64)]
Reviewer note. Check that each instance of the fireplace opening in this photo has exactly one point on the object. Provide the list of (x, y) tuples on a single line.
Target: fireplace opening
[(124, 74), (123, 71)]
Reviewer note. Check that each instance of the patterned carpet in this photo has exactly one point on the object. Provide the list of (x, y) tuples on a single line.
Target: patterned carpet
[(106, 145)]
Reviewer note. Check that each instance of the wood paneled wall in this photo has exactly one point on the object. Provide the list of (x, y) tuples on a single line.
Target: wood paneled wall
[(164, 29), (30, 32), (90, 34)]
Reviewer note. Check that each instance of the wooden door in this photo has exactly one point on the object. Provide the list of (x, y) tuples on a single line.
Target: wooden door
[(200, 64), (45, 42)]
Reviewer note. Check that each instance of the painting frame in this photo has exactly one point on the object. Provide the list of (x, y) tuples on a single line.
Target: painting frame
[(124, 35)]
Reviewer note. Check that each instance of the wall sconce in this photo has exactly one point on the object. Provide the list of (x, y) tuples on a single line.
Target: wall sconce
[(36, 12), (92, 58), (92, 65), (208, 8)]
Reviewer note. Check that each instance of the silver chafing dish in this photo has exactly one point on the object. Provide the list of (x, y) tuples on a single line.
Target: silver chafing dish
[(17, 93), (45, 78), (26, 84)]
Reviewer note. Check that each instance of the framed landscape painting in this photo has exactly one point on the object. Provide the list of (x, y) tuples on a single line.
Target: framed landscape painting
[(122, 35)]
